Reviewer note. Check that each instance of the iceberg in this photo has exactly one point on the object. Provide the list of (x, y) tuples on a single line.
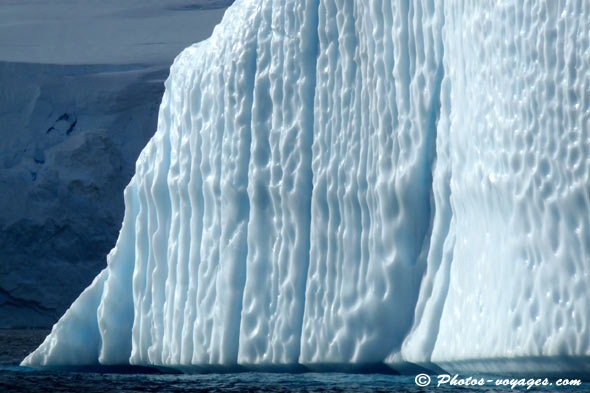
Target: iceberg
[(350, 183)]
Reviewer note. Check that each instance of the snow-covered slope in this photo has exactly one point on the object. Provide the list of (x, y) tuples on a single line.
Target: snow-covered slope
[(349, 183), (69, 138), (80, 86)]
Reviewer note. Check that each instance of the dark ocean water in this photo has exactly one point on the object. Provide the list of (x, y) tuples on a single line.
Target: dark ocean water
[(15, 344), (45, 381)]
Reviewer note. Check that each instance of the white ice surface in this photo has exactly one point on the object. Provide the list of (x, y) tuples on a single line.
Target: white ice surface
[(509, 265), (361, 182)]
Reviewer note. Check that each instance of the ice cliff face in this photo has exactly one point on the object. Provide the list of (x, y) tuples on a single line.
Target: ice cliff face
[(352, 183)]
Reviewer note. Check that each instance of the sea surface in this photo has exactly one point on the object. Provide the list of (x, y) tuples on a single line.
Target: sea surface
[(16, 344)]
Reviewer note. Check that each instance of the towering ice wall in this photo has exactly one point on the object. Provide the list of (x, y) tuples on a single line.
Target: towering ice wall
[(508, 272), (356, 182)]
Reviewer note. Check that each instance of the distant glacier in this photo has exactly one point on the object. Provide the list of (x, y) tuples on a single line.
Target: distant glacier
[(80, 88), (349, 183)]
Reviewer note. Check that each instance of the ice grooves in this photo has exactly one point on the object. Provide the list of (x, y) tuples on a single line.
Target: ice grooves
[(438, 243), (311, 37), (239, 271), (162, 206), (196, 196), (280, 184), (434, 123)]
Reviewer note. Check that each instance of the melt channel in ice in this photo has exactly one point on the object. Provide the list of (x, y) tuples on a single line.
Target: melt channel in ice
[(358, 182)]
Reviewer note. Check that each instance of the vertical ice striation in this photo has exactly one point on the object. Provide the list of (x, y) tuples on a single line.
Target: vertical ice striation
[(280, 184), (356, 182), (377, 88), (512, 187)]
